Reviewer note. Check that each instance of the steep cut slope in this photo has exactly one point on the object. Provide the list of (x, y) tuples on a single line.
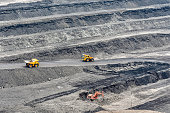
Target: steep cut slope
[(109, 47), (104, 20), (53, 7)]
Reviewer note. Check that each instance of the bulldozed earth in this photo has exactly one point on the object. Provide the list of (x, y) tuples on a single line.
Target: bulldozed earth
[(129, 40)]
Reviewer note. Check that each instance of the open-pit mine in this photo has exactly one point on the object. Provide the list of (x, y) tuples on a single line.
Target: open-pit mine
[(129, 41)]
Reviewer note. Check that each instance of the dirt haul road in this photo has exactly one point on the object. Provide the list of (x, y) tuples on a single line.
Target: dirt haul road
[(74, 62)]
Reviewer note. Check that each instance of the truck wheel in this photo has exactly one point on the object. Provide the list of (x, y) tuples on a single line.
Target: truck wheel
[(30, 66), (87, 60), (36, 65), (92, 60)]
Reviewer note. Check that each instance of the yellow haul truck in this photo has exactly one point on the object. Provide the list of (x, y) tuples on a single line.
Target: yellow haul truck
[(87, 58), (32, 63)]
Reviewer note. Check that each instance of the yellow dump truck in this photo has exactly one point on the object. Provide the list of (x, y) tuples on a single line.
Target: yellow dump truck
[(87, 58), (32, 63)]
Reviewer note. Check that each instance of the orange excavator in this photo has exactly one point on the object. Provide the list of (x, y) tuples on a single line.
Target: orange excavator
[(95, 96)]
